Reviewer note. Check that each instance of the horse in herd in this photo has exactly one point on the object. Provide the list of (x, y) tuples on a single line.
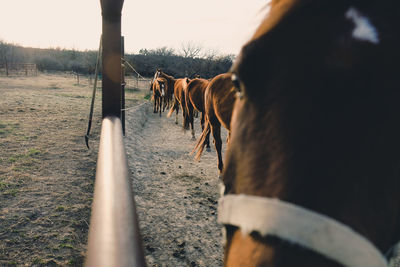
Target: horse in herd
[(212, 98), (311, 171), (159, 89), (219, 98), (176, 88), (194, 98), (162, 90)]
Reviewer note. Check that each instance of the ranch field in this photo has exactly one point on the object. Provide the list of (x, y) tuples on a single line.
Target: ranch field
[(46, 171), (47, 176)]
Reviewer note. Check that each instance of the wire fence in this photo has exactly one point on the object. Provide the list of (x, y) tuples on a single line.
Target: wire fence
[(18, 69)]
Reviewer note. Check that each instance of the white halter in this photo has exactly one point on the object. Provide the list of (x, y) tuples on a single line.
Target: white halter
[(301, 226)]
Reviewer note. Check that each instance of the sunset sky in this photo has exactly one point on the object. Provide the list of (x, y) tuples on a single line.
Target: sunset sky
[(221, 25)]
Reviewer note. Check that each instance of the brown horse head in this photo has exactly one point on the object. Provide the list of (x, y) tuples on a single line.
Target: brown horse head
[(156, 75), (315, 133), (162, 83)]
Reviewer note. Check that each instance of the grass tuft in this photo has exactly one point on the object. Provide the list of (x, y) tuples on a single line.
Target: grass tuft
[(60, 208)]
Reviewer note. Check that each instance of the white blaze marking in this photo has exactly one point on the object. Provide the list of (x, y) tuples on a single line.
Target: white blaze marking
[(364, 30), (155, 76)]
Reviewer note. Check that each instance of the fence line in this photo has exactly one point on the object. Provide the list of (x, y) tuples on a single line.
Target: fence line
[(19, 69), (114, 238)]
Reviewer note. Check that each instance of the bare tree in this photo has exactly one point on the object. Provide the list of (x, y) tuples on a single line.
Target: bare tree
[(210, 54), (164, 51), (4, 51), (191, 50)]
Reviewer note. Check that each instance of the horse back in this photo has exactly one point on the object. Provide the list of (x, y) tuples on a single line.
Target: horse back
[(220, 98), (179, 86), (196, 90)]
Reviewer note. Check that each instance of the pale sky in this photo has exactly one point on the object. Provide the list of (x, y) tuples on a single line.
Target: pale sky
[(222, 25)]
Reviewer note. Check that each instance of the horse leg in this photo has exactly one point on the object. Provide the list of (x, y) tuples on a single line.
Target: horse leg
[(208, 148), (160, 105), (208, 135), (177, 111), (155, 105), (192, 128), (165, 103), (216, 132), (189, 113), (185, 117)]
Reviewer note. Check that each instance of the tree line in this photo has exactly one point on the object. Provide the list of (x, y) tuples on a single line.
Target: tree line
[(191, 60)]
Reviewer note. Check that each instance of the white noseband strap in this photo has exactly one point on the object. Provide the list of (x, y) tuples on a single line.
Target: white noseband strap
[(298, 225)]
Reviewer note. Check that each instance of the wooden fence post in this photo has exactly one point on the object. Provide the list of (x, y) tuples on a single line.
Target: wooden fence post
[(111, 57)]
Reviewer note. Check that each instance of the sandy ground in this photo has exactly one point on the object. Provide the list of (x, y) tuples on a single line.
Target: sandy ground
[(176, 196), (46, 171), (47, 176)]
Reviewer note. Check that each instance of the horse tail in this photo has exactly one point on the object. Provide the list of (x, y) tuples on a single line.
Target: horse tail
[(186, 116), (188, 106), (201, 142), (172, 109)]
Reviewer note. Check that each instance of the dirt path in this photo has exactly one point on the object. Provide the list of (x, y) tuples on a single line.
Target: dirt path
[(46, 172), (176, 197)]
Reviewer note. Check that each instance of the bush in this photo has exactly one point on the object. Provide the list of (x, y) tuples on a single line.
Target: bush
[(146, 62)]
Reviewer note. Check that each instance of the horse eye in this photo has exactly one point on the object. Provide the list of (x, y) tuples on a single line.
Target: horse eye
[(235, 81), (236, 84)]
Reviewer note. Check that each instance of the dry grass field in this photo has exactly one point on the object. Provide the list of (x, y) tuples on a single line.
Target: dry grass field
[(46, 171)]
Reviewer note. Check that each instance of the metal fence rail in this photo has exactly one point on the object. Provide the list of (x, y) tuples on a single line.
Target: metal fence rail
[(114, 238)]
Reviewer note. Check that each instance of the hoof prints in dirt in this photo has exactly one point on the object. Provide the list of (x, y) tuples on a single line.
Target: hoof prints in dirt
[(176, 197)]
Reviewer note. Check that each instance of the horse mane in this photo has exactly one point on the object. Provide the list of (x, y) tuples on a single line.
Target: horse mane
[(161, 79), (166, 76), (278, 10)]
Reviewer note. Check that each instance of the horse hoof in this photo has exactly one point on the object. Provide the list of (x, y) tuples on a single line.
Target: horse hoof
[(208, 149), (220, 177), (193, 138), (176, 122)]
